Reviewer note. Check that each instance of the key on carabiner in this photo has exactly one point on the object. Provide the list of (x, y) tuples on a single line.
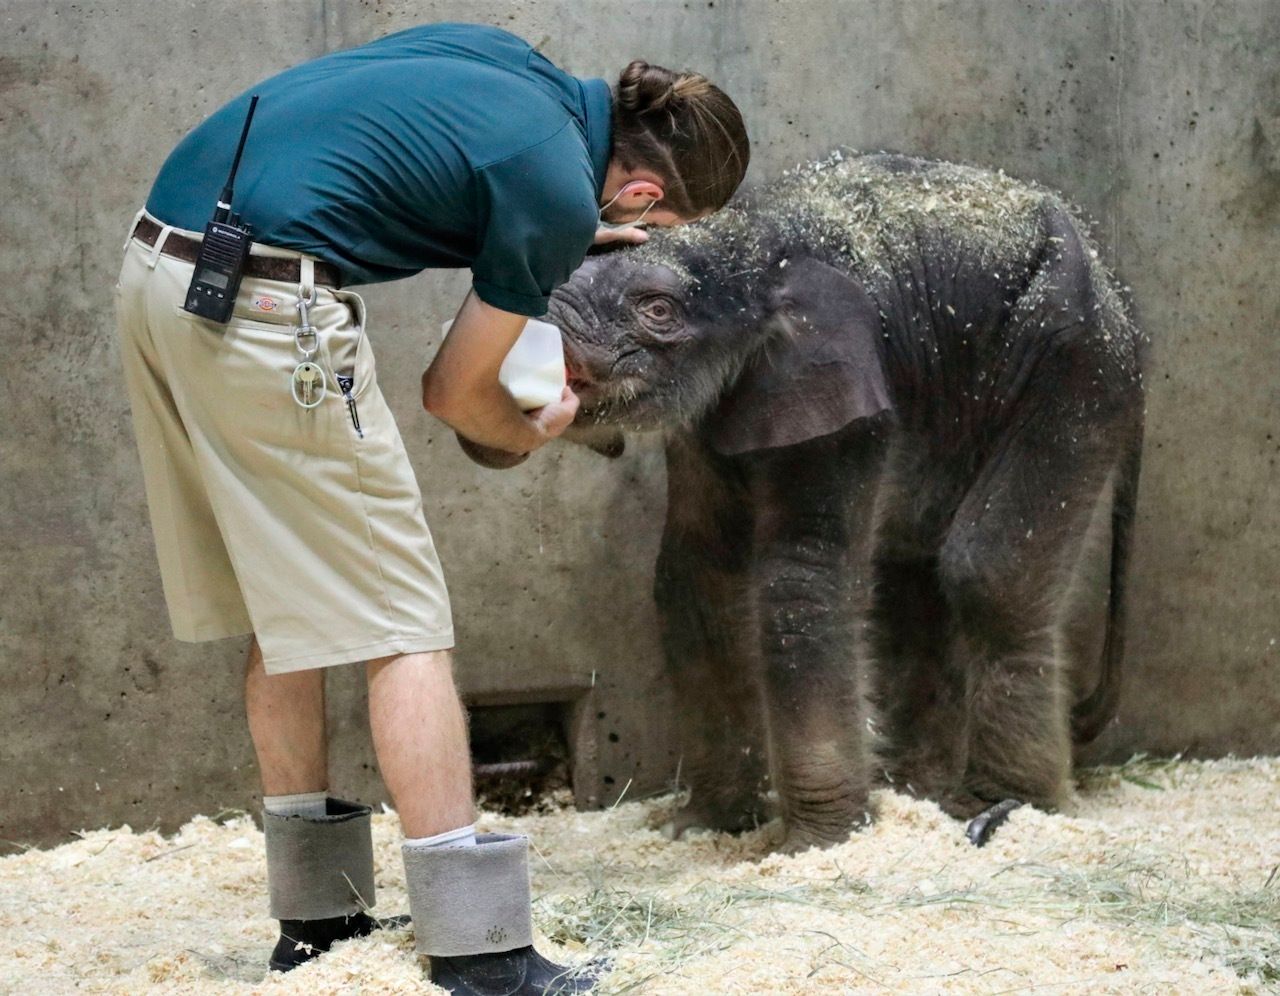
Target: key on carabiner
[(306, 378)]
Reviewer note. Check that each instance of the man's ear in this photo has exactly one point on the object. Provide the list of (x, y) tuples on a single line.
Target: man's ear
[(819, 372), (636, 194)]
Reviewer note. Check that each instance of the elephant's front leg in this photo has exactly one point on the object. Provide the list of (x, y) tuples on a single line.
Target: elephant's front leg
[(812, 575), (702, 588), (710, 658), (812, 688)]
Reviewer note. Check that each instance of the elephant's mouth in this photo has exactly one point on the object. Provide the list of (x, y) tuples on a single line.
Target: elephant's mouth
[(621, 402), (576, 375), (615, 401), (605, 397), (596, 389), (579, 382)]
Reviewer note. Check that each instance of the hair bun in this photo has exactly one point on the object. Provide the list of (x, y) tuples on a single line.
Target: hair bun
[(683, 129), (643, 88)]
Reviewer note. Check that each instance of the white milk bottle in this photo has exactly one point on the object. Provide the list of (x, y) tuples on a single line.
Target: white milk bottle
[(534, 369)]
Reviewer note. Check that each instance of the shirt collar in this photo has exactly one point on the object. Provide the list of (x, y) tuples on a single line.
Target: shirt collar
[(597, 100)]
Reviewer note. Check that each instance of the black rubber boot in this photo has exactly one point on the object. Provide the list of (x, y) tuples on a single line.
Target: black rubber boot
[(320, 878), (522, 972), (471, 917), (302, 940)]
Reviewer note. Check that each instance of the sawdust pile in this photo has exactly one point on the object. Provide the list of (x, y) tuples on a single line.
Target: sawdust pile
[(1163, 880)]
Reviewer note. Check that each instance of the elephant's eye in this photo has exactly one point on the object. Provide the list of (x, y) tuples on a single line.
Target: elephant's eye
[(658, 310)]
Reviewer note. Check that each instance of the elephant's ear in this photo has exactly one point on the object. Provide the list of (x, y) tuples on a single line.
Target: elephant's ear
[(821, 371)]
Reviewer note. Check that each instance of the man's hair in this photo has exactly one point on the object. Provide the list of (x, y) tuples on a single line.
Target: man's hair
[(683, 128)]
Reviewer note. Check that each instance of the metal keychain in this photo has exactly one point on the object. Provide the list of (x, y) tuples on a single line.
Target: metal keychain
[(308, 383)]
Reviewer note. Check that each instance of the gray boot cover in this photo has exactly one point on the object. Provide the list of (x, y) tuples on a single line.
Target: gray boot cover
[(320, 867), (470, 900)]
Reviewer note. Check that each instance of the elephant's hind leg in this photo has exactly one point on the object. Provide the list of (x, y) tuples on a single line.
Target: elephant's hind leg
[(1006, 567)]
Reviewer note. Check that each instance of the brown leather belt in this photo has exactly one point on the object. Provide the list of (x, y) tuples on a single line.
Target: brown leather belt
[(265, 267)]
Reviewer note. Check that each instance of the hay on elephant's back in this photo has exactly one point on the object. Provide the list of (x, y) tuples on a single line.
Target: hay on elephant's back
[(1161, 880), (876, 214)]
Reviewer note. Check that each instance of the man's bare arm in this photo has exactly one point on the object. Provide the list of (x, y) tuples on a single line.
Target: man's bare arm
[(461, 386)]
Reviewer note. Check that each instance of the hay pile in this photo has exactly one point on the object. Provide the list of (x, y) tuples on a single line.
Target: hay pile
[(1162, 880)]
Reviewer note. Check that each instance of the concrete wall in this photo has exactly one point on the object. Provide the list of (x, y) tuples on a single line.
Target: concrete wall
[(1161, 119)]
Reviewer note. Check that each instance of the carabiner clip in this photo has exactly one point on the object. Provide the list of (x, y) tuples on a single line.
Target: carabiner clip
[(306, 298)]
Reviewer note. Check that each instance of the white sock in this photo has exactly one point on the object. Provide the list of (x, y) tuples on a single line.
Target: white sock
[(302, 804), (462, 837)]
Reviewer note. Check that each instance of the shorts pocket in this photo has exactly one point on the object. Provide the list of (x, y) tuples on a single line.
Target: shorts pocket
[(347, 348)]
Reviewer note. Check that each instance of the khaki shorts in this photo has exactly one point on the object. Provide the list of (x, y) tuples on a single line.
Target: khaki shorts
[(268, 517)]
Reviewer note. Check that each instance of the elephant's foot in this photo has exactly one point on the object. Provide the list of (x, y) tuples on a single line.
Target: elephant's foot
[(831, 826), (921, 780), (799, 841), (721, 816), (982, 826), (804, 838), (961, 805)]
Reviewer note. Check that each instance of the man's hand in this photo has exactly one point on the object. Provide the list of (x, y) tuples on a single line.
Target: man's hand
[(606, 235), (554, 418)]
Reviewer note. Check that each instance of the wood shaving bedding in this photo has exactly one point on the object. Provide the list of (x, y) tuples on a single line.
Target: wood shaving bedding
[(1162, 878)]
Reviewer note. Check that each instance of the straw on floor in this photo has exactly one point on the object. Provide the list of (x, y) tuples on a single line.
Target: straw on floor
[(1162, 879)]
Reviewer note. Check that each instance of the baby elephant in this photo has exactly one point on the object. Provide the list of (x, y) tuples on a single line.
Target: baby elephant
[(901, 399)]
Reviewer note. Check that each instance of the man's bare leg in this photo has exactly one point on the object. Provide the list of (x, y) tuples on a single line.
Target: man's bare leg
[(476, 896), (286, 722), (420, 737)]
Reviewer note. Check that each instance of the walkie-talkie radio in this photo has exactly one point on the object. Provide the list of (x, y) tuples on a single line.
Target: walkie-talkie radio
[(224, 251)]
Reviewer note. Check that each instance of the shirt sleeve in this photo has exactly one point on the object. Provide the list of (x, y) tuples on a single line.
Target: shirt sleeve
[(537, 220)]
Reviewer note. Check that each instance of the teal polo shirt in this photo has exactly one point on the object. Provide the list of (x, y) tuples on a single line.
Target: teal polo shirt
[(446, 145)]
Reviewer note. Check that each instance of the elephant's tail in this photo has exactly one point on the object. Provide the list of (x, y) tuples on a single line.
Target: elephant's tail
[(1091, 715)]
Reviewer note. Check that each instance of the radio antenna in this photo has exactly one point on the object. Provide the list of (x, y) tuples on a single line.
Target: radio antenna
[(224, 199)]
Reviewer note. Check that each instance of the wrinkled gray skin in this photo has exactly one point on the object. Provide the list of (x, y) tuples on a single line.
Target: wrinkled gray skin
[(901, 401)]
